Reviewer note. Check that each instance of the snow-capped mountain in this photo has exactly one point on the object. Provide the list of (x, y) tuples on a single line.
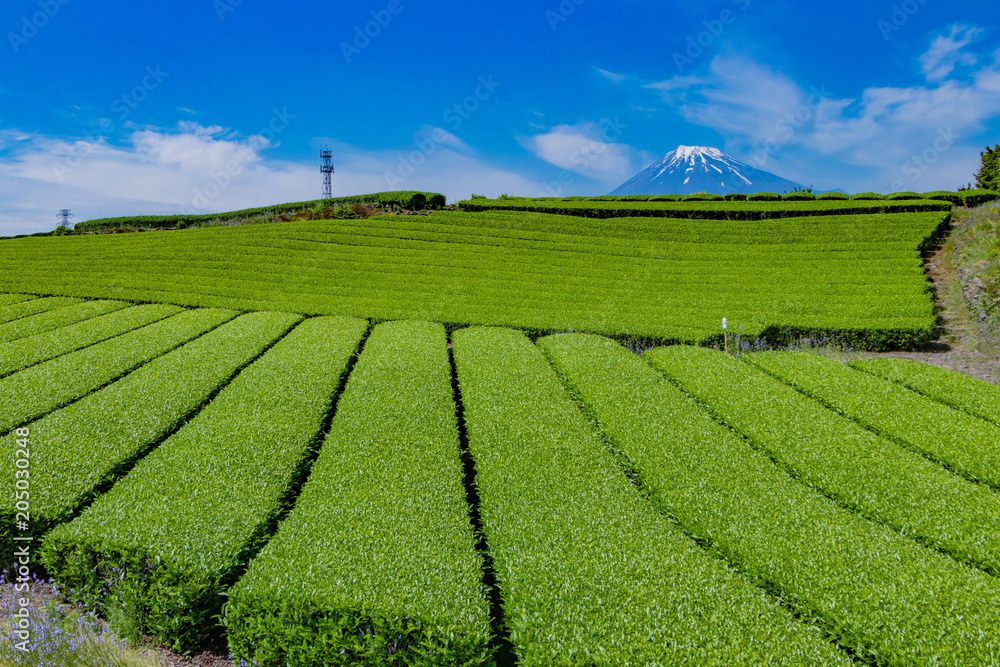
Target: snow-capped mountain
[(691, 169)]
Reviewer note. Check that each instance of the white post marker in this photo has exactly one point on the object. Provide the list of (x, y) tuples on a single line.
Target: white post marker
[(725, 333)]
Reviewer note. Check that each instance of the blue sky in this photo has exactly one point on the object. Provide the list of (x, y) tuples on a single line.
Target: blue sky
[(113, 108)]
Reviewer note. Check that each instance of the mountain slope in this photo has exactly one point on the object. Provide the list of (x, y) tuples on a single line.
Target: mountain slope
[(691, 169)]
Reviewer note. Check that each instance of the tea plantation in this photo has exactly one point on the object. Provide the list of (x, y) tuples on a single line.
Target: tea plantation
[(427, 440)]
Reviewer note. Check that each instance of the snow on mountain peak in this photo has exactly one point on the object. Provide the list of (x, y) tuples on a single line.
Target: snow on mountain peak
[(690, 169), (686, 152)]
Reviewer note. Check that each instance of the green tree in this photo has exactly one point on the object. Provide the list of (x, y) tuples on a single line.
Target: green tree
[(988, 177)]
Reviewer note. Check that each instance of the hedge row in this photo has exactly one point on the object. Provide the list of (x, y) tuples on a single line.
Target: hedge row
[(44, 387), (957, 440), (27, 307), (56, 318), (11, 299), (171, 536), (759, 207), (879, 478), (377, 562), (409, 200), (891, 601), (973, 396), (20, 354), (588, 571), (82, 448), (961, 197)]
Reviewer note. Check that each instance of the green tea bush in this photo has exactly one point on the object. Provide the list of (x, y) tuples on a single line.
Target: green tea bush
[(47, 386), (586, 567), (177, 531), (980, 197), (377, 562), (900, 196), (957, 440), (703, 197), (877, 477), (798, 196), (410, 200), (736, 196), (973, 396), (57, 318), (130, 416), (874, 591), (955, 198), (12, 299), (20, 354), (833, 196), (19, 308), (867, 196), (764, 196)]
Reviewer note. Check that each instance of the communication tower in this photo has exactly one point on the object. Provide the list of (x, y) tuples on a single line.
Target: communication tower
[(326, 168)]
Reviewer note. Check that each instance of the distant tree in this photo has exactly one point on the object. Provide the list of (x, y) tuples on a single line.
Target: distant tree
[(988, 177)]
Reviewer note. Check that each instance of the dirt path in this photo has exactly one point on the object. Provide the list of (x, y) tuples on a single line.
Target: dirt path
[(959, 347)]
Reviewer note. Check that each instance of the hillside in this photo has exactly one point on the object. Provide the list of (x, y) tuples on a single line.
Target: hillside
[(657, 279)]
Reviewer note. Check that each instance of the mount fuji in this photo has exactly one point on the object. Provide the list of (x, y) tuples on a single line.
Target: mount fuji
[(691, 169)]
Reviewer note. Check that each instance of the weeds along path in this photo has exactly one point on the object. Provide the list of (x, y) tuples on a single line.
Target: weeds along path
[(966, 344)]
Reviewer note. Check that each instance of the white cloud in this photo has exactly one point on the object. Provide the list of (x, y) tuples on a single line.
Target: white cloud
[(444, 137), (617, 78), (588, 149), (195, 168), (731, 97), (946, 51)]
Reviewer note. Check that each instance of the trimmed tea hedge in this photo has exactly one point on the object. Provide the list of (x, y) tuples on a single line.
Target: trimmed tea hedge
[(54, 319), (20, 354), (875, 476), (50, 385), (890, 600), (10, 299), (975, 397), (31, 306), (760, 206), (377, 562), (979, 197), (955, 439), (81, 449), (174, 533), (411, 200), (589, 572)]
